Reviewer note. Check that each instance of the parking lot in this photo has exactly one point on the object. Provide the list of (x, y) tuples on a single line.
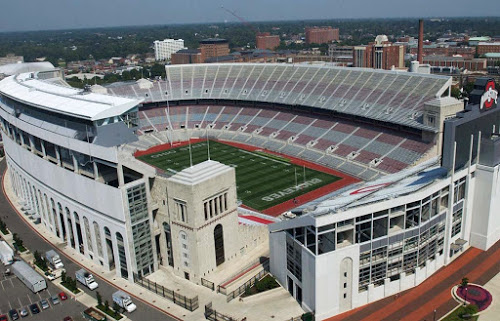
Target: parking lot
[(15, 295)]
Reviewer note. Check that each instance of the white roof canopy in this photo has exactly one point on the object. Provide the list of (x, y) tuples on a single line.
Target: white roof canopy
[(64, 100)]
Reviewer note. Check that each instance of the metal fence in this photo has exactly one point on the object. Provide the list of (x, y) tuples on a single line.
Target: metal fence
[(208, 284), (265, 264), (190, 304), (241, 289), (211, 314)]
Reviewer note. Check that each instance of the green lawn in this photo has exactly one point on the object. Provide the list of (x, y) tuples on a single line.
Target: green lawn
[(262, 181)]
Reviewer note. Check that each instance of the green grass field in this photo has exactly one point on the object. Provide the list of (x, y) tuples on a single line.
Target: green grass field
[(262, 181)]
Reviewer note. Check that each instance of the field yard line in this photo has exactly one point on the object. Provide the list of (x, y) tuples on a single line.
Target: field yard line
[(254, 154)]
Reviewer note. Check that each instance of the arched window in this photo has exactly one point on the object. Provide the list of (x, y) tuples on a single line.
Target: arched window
[(88, 234), (97, 233), (122, 255), (219, 245)]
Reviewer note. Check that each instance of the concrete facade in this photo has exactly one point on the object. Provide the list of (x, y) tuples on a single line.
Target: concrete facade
[(165, 48)]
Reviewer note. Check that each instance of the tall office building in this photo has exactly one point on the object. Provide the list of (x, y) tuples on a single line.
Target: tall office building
[(165, 48), (214, 47), (265, 40), (380, 54), (321, 35)]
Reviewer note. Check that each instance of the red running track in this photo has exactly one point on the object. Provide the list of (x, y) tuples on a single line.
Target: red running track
[(276, 210)]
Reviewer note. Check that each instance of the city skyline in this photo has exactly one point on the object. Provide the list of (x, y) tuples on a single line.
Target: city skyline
[(15, 16)]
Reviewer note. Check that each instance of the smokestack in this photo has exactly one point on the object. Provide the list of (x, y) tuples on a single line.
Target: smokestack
[(420, 55)]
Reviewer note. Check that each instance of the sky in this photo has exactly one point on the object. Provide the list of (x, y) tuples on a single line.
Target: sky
[(21, 15)]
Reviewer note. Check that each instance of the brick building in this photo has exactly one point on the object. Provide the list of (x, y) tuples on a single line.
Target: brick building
[(486, 47), (457, 62), (265, 40), (380, 54), (445, 50), (214, 47), (187, 56), (321, 35)]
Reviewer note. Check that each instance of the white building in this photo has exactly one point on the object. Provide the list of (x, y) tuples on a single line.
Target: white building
[(165, 48), (386, 236), (70, 159)]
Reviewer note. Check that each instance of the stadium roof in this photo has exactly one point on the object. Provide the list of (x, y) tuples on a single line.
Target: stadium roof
[(391, 186), (385, 188), (64, 100), (12, 69)]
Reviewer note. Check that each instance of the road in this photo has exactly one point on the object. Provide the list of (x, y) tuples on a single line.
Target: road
[(34, 242)]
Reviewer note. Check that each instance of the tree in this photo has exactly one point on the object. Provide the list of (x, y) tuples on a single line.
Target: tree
[(455, 92), (464, 282), (99, 298), (17, 240), (158, 70), (63, 276), (116, 308)]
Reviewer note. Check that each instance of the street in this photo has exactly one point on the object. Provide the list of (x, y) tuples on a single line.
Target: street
[(34, 242)]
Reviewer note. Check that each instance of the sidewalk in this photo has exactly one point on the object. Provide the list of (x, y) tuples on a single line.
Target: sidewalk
[(282, 306), (434, 293)]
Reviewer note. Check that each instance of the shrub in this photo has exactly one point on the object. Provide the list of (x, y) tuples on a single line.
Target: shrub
[(470, 309), (267, 283)]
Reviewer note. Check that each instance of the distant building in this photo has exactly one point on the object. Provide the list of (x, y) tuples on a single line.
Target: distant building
[(492, 58), (265, 40), (214, 47), (457, 62), (165, 48), (445, 50), (187, 56), (380, 54), (11, 59), (474, 41), (341, 54), (321, 35), (486, 47)]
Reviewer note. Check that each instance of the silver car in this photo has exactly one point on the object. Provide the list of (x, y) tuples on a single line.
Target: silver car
[(54, 299), (44, 304)]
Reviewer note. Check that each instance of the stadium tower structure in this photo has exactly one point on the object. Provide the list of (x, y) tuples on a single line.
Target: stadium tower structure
[(71, 158)]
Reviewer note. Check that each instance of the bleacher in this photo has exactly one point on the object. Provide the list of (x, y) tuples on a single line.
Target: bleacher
[(355, 148), (389, 96)]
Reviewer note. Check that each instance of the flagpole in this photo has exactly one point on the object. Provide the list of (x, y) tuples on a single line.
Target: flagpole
[(190, 154), (296, 178), (208, 145)]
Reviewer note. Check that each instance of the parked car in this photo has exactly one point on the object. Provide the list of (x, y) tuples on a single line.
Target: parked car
[(54, 299), (34, 308), (3, 317), (68, 319), (13, 314), (63, 296), (44, 304), (23, 312)]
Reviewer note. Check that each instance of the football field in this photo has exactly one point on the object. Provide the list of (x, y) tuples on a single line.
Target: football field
[(263, 180)]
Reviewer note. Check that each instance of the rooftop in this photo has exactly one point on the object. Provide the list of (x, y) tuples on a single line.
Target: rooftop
[(65, 100), (213, 41), (392, 186), (200, 172)]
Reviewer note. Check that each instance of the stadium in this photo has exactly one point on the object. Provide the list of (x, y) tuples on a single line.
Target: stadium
[(362, 181)]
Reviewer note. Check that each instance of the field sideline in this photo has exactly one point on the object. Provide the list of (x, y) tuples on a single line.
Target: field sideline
[(264, 182)]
